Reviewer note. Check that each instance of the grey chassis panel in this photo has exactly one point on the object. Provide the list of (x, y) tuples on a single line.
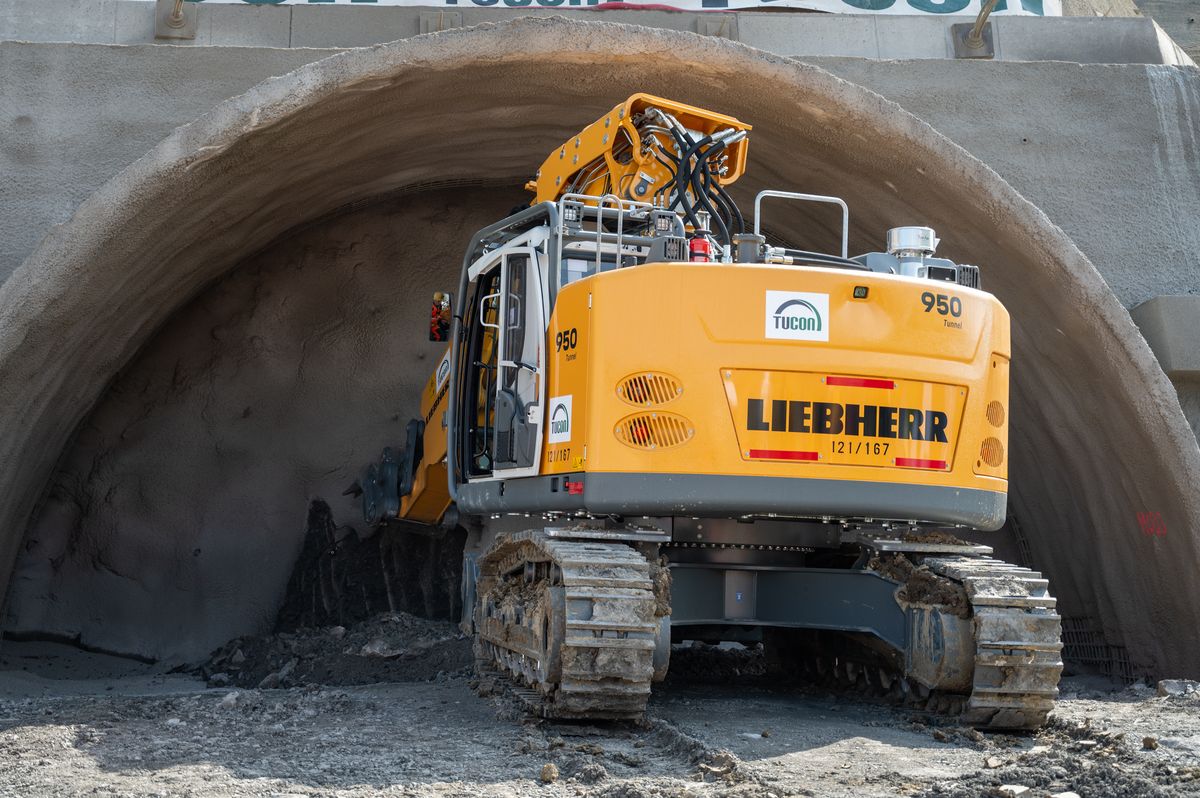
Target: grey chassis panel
[(809, 598), (721, 496)]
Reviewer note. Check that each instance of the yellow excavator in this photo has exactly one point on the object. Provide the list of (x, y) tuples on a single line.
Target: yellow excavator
[(656, 426)]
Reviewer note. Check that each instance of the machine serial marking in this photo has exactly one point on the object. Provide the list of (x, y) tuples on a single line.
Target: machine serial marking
[(832, 418), (858, 447), (559, 455)]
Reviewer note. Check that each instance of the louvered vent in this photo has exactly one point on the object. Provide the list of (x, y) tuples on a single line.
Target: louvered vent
[(654, 430), (992, 452), (995, 413), (649, 389)]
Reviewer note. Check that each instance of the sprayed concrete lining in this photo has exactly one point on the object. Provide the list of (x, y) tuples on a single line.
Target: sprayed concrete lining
[(1099, 443)]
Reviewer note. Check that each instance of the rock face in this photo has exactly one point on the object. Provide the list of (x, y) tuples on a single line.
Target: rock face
[(123, 352), (174, 523)]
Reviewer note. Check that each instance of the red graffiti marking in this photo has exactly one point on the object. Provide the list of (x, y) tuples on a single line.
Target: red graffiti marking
[(1152, 524)]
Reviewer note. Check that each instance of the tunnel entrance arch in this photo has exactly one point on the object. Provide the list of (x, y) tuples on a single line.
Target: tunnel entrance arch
[(1097, 434)]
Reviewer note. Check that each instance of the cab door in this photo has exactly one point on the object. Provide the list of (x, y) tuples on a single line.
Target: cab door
[(521, 366)]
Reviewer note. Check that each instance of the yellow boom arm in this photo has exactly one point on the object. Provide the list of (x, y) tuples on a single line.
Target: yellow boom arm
[(634, 149)]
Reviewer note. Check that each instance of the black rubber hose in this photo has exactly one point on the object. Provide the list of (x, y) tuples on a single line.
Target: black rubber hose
[(689, 148), (672, 166), (721, 203), (718, 211), (737, 212), (702, 196)]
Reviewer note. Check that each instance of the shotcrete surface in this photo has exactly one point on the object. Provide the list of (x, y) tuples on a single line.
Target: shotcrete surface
[(191, 480), (1098, 437)]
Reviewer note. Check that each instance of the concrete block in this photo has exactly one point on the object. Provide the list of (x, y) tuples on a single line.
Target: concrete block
[(436, 21), (249, 25), (1172, 53), (810, 34), (1096, 40), (724, 26), (1171, 325), (900, 38), (83, 21), (1180, 20), (347, 26)]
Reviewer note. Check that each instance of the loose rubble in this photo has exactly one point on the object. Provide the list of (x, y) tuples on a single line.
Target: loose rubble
[(1177, 687), (390, 647)]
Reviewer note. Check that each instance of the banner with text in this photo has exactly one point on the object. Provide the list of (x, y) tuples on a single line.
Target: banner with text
[(966, 8)]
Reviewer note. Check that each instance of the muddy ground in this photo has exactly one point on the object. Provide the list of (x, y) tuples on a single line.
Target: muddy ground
[(85, 724)]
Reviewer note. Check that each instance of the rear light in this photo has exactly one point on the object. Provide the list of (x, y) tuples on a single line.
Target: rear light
[(860, 382), (782, 454), (918, 462)]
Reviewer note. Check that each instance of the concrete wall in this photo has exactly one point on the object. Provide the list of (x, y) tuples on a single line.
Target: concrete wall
[(367, 122), (1179, 18), (1120, 37), (72, 116), (1108, 152)]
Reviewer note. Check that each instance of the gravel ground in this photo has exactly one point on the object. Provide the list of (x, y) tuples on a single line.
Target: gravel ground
[(84, 724)]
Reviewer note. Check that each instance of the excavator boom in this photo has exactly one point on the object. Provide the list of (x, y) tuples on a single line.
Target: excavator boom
[(649, 149)]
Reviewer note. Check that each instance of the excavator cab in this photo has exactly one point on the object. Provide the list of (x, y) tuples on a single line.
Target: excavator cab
[(504, 363)]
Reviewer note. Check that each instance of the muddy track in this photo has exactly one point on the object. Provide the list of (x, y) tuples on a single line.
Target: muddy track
[(572, 622)]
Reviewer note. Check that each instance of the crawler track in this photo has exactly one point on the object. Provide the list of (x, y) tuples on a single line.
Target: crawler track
[(573, 622), (1018, 641), (1016, 662)]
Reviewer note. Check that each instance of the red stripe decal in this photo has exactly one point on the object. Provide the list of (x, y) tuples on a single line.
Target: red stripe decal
[(781, 454), (860, 382), (917, 462)]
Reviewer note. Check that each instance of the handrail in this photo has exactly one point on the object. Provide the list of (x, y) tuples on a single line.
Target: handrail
[(807, 198)]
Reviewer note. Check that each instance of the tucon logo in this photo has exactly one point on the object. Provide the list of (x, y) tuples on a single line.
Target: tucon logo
[(797, 316), (560, 420)]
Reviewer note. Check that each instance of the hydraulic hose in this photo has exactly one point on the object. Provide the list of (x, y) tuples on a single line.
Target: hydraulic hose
[(702, 196)]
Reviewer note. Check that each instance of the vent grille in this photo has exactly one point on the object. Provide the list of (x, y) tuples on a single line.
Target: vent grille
[(968, 276), (654, 430), (995, 414), (675, 249), (648, 389), (992, 452)]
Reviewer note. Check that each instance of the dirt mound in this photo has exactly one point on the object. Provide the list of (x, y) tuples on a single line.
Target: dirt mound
[(390, 647)]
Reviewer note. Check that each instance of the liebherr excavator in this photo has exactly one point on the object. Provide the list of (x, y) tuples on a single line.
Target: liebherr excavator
[(657, 426)]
